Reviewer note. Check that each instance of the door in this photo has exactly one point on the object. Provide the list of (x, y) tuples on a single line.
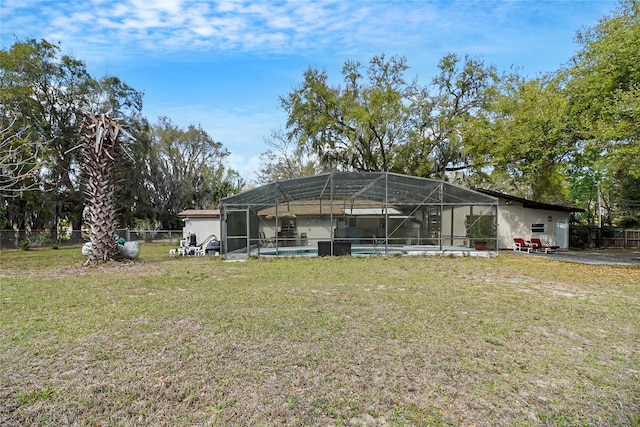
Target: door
[(236, 225), (561, 232)]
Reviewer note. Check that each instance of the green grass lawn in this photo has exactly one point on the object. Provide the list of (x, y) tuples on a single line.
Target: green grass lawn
[(513, 341)]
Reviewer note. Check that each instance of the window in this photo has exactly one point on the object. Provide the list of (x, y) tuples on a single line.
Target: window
[(288, 226), (352, 222), (537, 228), (434, 222)]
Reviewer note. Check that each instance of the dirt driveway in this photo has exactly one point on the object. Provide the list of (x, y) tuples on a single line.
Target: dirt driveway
[(598, 257)]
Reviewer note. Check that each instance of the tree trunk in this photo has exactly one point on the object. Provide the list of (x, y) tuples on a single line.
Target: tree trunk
[(101, 137)]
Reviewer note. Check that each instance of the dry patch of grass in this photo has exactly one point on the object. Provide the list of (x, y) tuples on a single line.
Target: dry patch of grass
[(321, 341)]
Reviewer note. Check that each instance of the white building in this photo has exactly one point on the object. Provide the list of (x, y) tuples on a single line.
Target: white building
[(201, 222), (382, 210), (518, 217), (362, 212)]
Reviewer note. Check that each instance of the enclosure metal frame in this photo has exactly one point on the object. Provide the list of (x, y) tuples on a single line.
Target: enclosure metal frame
[(328, 194)]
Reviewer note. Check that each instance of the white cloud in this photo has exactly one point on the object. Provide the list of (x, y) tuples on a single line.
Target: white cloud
[(246, 166), (172, 26), (120, 35)]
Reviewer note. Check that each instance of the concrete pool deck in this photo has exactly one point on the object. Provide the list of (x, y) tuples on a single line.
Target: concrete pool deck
[(591, 257), (594, 257)]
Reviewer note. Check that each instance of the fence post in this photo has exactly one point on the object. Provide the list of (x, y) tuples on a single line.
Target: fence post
[(625, 238)]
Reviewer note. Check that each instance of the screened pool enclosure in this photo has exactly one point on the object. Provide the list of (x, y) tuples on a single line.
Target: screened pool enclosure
[(342, 213)]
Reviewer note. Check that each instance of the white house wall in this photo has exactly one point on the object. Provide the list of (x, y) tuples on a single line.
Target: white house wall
[(320, 228), (511, 223), (315, 229), (514, 220), (460, 214), (202, 228)]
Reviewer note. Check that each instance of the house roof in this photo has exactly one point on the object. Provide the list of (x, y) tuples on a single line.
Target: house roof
[(381, 187), (305, 208), (200, 213), (302, 208), (373, 211), (530, 204)]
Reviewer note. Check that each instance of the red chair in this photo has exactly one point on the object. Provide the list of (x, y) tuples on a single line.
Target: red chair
[(539, 246), (519, 245)]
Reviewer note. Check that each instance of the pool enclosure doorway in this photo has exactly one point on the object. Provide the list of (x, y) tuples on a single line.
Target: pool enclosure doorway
[(237, 235), (342, 213)]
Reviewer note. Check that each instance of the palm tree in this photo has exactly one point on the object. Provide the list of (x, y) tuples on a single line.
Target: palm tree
[(100, 134)]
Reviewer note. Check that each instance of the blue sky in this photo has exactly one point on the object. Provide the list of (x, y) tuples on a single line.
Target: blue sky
[(223, 64)]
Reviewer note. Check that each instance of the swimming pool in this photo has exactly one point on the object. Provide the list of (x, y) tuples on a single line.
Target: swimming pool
[(368, 250)]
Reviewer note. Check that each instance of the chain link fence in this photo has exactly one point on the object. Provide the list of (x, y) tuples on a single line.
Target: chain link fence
[(582, 237), (26, 239)]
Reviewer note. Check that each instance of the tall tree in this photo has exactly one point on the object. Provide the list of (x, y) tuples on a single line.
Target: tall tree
[(286, 159), (19, 181), (525, 139), (185, 169), (440, 113), (44, 90), (378, 121), (357, 126), (19, 168), (100, 150), (133, 197), (603, 90)]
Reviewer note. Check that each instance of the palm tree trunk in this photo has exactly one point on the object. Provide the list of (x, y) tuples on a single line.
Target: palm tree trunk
[(101, 142)]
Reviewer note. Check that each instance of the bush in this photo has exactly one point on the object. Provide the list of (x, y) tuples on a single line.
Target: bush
[(628, 222), (482, 228), (580, 236)]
